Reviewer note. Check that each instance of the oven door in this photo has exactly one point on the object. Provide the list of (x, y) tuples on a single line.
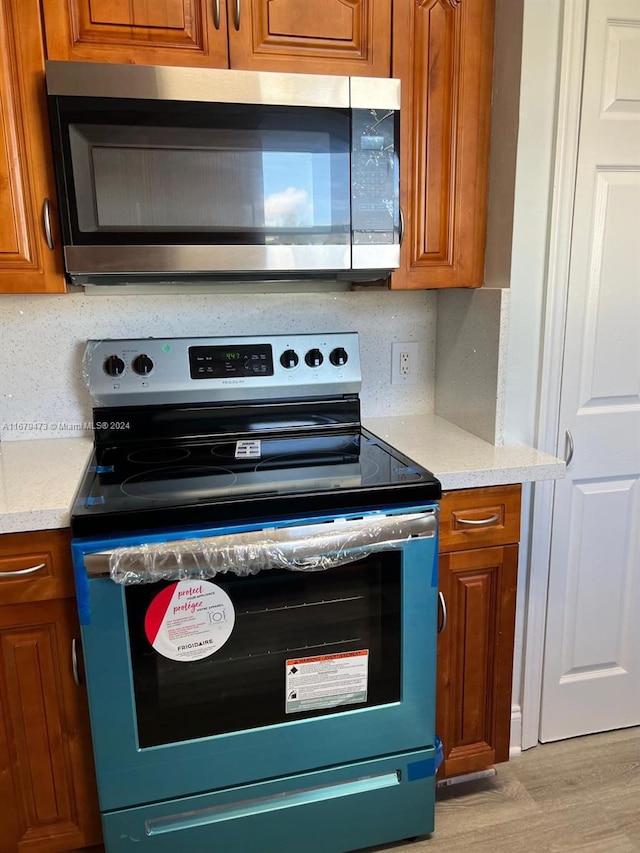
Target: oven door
[(309, 669)]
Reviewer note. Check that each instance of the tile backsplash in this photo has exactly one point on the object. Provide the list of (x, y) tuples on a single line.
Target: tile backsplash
[(42, 393)]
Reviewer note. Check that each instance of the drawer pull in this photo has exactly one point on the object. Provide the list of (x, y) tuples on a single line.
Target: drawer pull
[(20, 572), (479, 522), (442, 624)]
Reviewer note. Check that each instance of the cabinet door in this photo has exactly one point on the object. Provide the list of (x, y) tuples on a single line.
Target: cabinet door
[(145, 32), (475, 658), (27, 263), (47, 781), (312, 36), (442, 52)]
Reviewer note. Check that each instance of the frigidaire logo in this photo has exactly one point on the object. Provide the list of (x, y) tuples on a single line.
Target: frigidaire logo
[(233, 381)]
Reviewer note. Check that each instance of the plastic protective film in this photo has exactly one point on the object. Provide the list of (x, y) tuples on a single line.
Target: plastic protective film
[(311, 548)]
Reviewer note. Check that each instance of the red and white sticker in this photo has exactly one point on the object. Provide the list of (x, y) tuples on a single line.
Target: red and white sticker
[(189, 620)]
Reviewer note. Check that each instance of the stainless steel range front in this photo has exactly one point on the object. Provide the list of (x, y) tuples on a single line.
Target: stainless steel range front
[(256, 578)]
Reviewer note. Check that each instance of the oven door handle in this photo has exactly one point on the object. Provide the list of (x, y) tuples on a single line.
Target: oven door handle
[(308, 547)]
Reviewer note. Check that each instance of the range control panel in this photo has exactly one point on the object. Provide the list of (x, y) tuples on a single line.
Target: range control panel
[(121, 372)]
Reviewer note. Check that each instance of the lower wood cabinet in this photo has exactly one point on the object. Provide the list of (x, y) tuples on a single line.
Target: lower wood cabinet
[(48, 800), (479, 529)]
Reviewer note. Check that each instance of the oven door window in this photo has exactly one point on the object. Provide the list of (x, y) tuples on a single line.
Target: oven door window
[(280, 617), (196, 174)]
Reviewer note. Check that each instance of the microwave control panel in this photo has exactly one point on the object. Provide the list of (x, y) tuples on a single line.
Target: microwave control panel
[(374, 176)]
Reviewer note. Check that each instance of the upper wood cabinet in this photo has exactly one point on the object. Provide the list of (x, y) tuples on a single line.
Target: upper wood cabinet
[(28, 213), (317, 36), (443, 53), (313, 36)]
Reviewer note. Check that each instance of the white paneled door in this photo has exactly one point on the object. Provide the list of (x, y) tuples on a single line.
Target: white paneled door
[(591, 679)]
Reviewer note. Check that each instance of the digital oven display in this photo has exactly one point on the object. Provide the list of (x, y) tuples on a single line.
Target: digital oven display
[(219, 362)]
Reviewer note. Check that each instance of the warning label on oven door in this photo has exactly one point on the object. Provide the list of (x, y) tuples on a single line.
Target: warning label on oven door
[(326, 681), (189, 620)]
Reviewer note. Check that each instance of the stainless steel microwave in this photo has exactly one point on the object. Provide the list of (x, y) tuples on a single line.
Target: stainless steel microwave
[(166, 174)]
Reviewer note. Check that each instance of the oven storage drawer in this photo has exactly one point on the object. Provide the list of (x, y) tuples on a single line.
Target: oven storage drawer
[(327, 811)]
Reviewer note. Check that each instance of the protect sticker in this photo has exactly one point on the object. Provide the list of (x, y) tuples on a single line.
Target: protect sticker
[(326, 681), (189, 620)]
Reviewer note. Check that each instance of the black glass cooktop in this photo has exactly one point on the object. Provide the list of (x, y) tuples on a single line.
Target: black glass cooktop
[(151, 485)]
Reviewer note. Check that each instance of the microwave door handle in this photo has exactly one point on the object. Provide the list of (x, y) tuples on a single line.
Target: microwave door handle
[(216, 14), (237, 13)]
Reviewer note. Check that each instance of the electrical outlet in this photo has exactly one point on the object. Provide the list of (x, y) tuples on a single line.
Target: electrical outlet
[(404, 363)]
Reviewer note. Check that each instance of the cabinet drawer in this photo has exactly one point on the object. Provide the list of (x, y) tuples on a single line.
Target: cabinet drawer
[(35, 566), (479, 518)]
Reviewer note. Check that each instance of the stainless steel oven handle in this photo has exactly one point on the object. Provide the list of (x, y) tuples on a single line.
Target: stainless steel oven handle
[(295, 544)]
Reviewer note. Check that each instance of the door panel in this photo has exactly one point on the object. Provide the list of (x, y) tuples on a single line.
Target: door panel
[(27, 264), (47, 779), (443, 53), (475, 655), (591, 679), (312, 36), (148, 32)]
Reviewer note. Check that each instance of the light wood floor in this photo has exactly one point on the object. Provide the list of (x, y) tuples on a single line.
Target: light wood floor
[(576, 795)]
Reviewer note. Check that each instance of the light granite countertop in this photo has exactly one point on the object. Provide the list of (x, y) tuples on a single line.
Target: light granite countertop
[(38, 481), (461, 460), (39, 478)]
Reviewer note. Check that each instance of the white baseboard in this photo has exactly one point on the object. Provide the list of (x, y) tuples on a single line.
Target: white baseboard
[(515, 741)]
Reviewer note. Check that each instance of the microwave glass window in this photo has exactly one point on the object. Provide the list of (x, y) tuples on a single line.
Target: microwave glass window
[(279, 616), (261, 175)]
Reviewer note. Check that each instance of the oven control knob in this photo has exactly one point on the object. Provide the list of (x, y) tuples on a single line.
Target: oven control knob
[(314, 358), (289, 359), (113, 366), (142, 364), (338, 357)]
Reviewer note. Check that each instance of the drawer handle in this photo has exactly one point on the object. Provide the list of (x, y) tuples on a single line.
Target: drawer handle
[(479, 522), (442, 623), (20, 572)]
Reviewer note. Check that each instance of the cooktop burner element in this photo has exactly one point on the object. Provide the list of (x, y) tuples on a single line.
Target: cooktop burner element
[(236, 444)]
